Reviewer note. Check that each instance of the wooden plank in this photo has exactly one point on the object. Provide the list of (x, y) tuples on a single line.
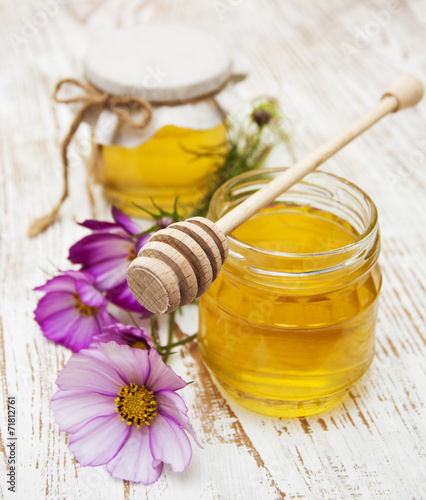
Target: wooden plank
[(371, 446)]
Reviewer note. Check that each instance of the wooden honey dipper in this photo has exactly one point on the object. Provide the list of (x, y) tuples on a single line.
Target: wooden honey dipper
[(180, 263)]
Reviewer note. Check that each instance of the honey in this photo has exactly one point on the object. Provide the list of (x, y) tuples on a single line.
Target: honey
[(160, 134), (288, 326), (166, 167)]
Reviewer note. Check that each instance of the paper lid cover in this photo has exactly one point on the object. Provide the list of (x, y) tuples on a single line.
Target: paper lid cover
[(158, 63)]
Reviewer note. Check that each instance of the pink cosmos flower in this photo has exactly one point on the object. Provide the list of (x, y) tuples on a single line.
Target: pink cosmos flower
[(107, 253), (120, 406), (73, 310), (124, 334)]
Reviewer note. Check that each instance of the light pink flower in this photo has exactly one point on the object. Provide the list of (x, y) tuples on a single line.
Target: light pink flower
[(120, 406)]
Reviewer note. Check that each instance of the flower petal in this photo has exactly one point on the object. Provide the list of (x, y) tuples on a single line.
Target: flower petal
[(89, 295), (58, 284), (72, 409), (101, 226), (80, 335), (134, 462), (122, 297), (79, 275), (173, 406), (53, 303), (90, 371), (110, 273), (141, 242), (131, 364), (106, 318), (169, 443), (124, 334), (124, 221), (57, 326), (99, 247), (99, 440), (162, 376)]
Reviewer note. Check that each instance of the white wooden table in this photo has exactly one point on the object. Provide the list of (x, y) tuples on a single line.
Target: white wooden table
[(328, 62)]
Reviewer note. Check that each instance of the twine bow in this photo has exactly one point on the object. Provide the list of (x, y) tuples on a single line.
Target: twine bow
[(93, 99)]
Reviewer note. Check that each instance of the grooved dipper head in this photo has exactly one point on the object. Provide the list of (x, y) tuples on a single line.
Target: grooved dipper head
[(177, 265)]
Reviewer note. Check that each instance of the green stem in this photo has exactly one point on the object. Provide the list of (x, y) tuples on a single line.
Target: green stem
[(152, 229), (133, 319), (170, 334), (180, 342), (153, 334)]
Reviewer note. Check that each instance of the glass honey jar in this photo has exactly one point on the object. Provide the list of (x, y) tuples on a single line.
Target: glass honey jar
[(288, 326), (188, 78)]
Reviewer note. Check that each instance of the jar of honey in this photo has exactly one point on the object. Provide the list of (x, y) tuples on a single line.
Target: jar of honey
[(288, 326), (188, 78)]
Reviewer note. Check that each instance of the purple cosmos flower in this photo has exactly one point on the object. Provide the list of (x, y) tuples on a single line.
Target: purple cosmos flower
[(73, 310), (164, 222), (107, 253), (261, 117), (124, 334), (120, 406)]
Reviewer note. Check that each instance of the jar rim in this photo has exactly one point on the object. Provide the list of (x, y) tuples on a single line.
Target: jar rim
[(364, 236)]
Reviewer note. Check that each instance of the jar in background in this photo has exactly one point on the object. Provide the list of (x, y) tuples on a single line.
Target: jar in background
[(188, 78), (288, 326), (163, 168)]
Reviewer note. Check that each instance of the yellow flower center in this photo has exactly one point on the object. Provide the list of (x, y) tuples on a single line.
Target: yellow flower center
[(140, 344), (83, 308), (132, 255), (136, 405)]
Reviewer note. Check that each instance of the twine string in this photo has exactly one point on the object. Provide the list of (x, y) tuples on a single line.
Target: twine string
[(125, 107), (92, 99)]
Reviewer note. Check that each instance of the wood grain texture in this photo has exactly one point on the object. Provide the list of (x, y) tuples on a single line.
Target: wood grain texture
[(371, 446), (177, 265)]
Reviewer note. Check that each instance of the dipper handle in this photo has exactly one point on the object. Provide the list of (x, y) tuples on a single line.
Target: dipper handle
[(407, 89), (404, 91), (179, 263)]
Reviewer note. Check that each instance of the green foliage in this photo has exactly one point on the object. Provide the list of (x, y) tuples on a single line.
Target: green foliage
[(248, 145)]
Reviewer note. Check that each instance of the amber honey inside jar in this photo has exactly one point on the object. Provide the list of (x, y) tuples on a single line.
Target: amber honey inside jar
[(170, 137), (288, 326), (164, 168)]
